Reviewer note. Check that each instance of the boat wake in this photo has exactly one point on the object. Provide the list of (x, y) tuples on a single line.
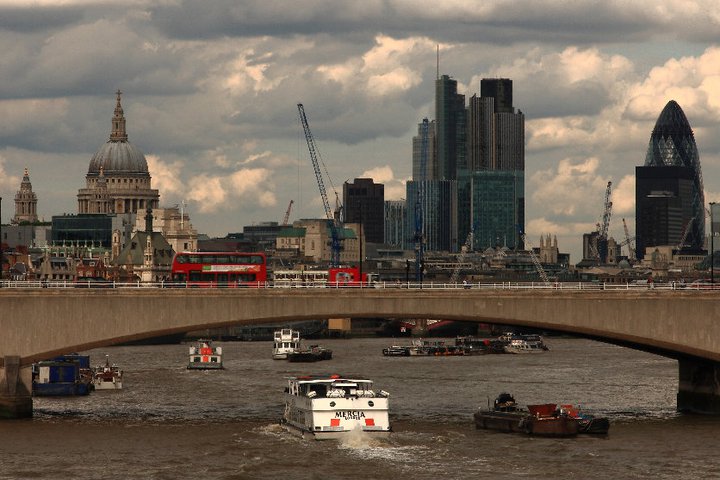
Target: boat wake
[(357, 439)]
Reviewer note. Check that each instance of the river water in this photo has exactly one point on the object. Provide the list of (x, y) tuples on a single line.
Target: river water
[(171, 423)]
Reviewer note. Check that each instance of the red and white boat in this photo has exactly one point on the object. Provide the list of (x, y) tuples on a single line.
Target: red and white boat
[(204, 356), (107, 377), (327, 407)]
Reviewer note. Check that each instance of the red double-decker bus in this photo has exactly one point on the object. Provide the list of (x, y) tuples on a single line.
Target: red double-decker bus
[(223, 269)]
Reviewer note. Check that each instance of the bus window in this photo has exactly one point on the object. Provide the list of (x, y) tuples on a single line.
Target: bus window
[(179, 277), (182, 259), (222, 277), (222, 260), (195, 259), (195, 276)]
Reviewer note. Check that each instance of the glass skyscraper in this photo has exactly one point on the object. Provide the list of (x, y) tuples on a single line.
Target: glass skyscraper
[(439, 207), (496, 167), (669, 198), (498, 207)]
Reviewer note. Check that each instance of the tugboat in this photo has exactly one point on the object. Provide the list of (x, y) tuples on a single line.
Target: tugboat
[(204, 356), (330, 407), (108, 376), (589, 424), (286, 341), (543, 420), (314, 353)]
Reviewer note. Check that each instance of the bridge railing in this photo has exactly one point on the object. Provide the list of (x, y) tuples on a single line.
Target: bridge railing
[(394, 285)]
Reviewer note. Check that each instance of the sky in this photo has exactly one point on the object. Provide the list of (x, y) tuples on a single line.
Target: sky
[(210, 94)]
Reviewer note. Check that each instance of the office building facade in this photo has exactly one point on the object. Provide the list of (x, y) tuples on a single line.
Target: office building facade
[(669, 195), (364, 204), (396, 234), (438, 199)]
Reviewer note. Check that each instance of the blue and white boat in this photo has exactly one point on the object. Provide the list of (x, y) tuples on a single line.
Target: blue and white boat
[(62, 376)]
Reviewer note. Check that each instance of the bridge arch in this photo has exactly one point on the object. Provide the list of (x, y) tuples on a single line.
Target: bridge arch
[(40, 323)]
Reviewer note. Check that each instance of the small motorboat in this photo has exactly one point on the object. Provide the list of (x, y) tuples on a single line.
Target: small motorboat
[(204, 356), (286, 341), (107, 376), (314, 353)]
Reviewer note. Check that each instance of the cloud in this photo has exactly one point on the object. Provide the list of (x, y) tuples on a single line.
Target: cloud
[(623, 196), (394, 188), (7, 181), (247, 187), (570, 190), (166, 177)]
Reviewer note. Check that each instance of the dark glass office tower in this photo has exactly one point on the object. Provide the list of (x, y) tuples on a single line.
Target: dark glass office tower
[(449, 129), (364, 202), (669, 199), (501, 90)]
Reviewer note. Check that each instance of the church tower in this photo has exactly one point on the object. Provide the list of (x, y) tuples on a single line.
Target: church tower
[(25, 203)]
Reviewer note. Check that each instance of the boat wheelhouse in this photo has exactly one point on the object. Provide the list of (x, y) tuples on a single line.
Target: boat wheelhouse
[(204, 356), (286, 341), (328, 407), (107, 376)]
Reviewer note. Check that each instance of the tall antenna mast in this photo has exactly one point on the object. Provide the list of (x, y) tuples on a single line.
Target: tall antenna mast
[(437, 73)]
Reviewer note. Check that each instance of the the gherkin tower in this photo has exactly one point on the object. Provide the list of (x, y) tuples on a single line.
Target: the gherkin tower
[(669, 187)]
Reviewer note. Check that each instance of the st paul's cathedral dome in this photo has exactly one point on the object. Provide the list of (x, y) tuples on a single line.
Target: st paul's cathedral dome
[(118, 180)]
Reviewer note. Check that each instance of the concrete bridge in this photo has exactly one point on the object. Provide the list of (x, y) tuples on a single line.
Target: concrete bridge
[(37, 324)]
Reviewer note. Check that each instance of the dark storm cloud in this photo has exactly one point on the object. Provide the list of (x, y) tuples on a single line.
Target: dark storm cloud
[(31, 19), (503, 22)]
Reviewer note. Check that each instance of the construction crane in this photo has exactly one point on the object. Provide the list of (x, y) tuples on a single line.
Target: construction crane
[(602, 246), (286, 218), (419, 236), (685, 233), (628, 241), (535, 260), (334, 220), (464, 250)]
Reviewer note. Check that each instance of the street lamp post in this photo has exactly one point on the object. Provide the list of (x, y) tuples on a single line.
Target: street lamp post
[(712, 245), (1, 249)]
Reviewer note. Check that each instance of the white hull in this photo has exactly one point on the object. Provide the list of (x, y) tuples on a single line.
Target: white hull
[(108, 385), (303, 432), (522, 351)]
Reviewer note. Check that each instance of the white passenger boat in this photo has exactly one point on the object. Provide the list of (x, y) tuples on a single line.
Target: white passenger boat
[(286, 341), (326, 407), (204, 356), (108, 376)]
